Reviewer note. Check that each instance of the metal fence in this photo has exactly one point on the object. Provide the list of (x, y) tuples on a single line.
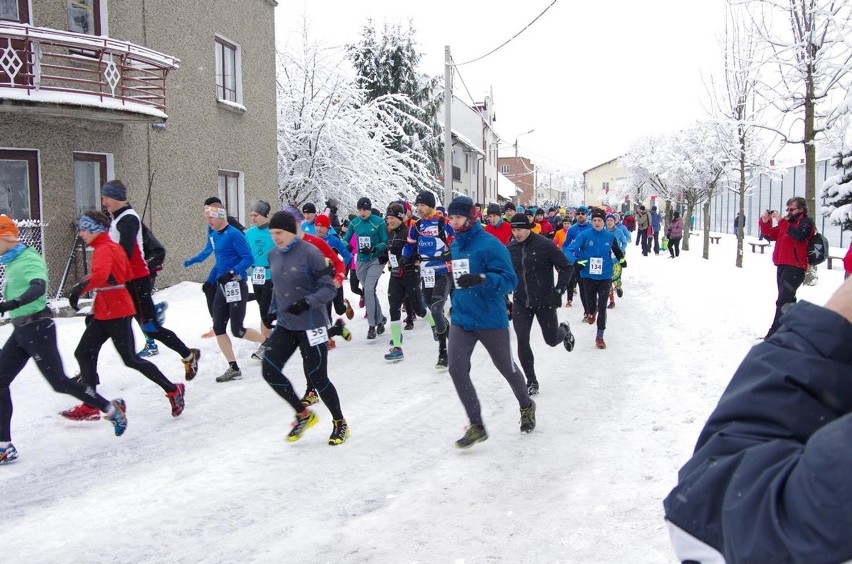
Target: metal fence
[(31, 233), (768, 193)]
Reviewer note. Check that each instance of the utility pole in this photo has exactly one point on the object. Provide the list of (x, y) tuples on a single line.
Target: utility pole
[(448, 130)]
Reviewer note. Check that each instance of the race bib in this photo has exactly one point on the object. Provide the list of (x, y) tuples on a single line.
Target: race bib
[(364, 242), (232, 291), (258, 276), (428, 276), (596, 265), (317, 336), (460, 267), (393, 262)]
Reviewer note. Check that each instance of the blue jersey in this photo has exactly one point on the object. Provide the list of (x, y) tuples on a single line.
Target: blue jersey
[(335, 243), (429, 241), (231, 250), (260, 242)]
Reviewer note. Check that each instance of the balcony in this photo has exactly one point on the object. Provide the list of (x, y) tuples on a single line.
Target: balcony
[(61, 73)]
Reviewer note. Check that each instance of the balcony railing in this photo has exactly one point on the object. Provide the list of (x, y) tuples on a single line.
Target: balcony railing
[(54, 67)]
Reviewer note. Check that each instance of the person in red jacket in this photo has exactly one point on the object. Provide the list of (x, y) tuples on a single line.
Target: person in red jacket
[(112, 313), (847, 263), (496, 225), (792, 235)]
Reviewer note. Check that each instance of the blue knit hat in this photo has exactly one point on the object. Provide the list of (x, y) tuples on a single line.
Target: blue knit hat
[(114, 189)]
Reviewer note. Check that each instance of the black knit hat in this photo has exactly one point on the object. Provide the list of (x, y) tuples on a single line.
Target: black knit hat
[(364, 203), (492, 209), (397, 211), (284, 221), (509, 206), (598, 212), (461, 205), (425, 197), (520, 221), (309, 208)]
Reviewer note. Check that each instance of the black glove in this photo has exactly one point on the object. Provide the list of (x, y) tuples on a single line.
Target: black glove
[(74, 294), (555, 299), (206, 287), (560, 289), (10, 305), (468, 280), (227, 277), (383, 258), (269, 318), (623, 263), (299, 307)]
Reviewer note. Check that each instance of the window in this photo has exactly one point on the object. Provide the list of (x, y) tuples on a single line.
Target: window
[(504, 169), (84, 16), (466, 162), (231, 192), (19, 184), (228, 72), (456, 174), (15, 10), (90, 173), (606, 187)]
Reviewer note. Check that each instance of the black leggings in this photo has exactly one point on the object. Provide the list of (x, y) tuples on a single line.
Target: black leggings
[(37, 340), (597, 294), (140, 290), (405, 290), (223, 311), (674, 247), (281, 346), (522, 318), (263, 297), (338, 303), (121, 333), (788, 278)]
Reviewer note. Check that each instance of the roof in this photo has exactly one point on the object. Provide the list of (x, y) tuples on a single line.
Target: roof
[(506, 187), (465, 141)]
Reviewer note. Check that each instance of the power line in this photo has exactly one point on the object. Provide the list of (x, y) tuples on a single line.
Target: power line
[(510, 39)]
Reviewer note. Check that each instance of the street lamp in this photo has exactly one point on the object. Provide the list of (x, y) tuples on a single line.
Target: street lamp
[(516, 140)]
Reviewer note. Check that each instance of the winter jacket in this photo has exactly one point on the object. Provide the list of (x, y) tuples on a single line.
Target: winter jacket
[(309, 227), (333, 241), (370, 233), (597, 248), (260, 242), (769, 480), (23, 265), (110, 270), (231, 250), (337, 270), (792, 239), (656, 221), (482, 306), (398, 264), (429, 241), (300, 271), (622, 236), (643, 219), (629, 222), (546, 227), (503, 231), (534, 261), (572, 234), (675, 230), (126, 230)]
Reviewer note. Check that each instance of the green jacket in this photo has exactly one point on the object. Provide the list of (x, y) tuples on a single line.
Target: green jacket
[(375, 229), (27, 266)]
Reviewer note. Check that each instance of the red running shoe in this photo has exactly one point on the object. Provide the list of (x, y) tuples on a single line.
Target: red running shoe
[(82, 412), (176, 399)]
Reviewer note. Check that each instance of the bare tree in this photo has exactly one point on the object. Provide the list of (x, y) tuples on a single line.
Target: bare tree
[(812, 60)]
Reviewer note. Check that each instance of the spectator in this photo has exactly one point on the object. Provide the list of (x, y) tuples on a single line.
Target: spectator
[(643, 221), (769, 480), (739, 221), (656, 222), (675, 234)]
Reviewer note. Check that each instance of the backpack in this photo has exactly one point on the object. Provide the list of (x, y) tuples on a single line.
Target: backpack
[(154, 251), (817, 249)]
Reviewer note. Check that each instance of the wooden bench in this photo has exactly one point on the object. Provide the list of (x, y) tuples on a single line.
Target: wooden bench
[(835, 255), (758, 244), (715, 238)]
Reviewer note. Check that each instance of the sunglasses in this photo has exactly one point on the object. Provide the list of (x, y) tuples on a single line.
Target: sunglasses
[(581, 213)]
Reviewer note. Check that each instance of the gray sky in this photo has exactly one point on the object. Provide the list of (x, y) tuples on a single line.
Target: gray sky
[(589, 77)]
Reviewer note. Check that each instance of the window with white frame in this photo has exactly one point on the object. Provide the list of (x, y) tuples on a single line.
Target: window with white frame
[(228, 71), (504, 169), (90, 173), (19, 184), (15, 11), (85, 16), (231, 192)]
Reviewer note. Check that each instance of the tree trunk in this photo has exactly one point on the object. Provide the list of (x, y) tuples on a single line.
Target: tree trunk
[(741, 222), (705, 208), (687, 221), (810, 152)]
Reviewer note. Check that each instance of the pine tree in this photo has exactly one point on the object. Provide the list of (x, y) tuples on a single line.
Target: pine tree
[(387, 65), (838, 192)]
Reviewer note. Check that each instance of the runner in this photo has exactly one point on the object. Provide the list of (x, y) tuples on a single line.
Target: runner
[(260, 243), (370, 235)]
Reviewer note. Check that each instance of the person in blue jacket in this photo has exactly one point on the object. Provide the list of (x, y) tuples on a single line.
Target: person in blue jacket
[(483, 274), (582, 224), (233, 258), (656, 223), (769, 480), (622, 235), (593, 250), (322, 226), (260, 243)]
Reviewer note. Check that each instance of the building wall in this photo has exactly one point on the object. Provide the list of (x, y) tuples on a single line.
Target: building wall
[(201, 135), (611, 172), (521, 172)]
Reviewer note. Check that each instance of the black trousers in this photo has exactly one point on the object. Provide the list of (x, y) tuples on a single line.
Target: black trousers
[(263, 297), (37, 340), (140, 290), (674, 247), (405, 290), (121, 333), (597, 294), (436, 298), (522, 319), (656, 242), (224, 311), (281, 346), (788, 278), (642, 238)]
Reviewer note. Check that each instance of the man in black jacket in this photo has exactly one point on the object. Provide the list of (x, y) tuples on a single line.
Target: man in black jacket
[(769, 480), (534, 257)]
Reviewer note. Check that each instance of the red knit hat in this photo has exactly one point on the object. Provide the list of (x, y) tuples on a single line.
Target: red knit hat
[(322, 221), (8, 229)]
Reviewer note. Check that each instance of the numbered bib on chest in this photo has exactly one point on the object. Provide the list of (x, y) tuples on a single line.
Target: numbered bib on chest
[(596, 265), (393, 261), (232, 292), (317, 336), (460, 267), (428, 276), (364, 243), (258, 276)]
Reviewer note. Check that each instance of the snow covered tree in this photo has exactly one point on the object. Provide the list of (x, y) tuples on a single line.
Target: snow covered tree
[(812, 58), (647, 167), (387, 65), (332, 141), (838, 190)]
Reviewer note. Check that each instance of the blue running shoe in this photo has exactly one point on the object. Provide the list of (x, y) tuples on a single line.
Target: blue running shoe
[(160, 311), (395, 354), (118, 417), (149, 350), (8, 454)]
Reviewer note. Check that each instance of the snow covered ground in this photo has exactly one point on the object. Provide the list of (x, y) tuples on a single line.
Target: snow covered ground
[(221, 484)]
